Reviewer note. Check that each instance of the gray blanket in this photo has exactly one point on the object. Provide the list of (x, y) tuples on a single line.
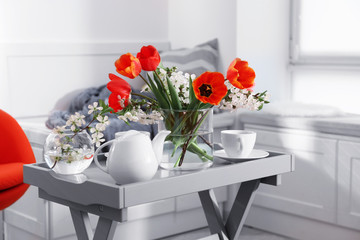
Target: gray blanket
[(80, 104)]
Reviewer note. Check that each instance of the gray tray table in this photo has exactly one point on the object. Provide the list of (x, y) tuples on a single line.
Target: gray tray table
[(96, 192)]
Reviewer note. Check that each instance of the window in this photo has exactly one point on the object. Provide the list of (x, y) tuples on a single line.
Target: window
[(325, 53)]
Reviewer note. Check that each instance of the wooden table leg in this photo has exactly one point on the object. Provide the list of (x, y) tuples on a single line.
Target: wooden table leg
[(240, 208), (212, 213), (243, 200), (105, 228), (82, 224)]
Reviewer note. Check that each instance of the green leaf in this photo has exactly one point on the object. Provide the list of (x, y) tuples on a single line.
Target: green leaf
[(205, 105), (194, 105), (102, 103), (174, 96), (193, 101), (163, 103), (109, 109), (261, 106), (262, 94), (191, 91), (161, 87)]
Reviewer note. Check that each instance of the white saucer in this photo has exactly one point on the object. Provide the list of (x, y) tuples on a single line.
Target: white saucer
[(255, 154)]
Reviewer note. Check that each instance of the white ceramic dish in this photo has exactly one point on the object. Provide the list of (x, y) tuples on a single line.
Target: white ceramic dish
[(255, 154)]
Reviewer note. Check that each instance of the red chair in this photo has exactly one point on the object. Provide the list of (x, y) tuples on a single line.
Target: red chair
[(15, 151)]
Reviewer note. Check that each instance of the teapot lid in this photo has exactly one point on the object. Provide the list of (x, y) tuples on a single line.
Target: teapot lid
[(130, 133)]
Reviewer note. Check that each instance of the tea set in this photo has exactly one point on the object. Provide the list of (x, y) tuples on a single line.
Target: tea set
[(133, 157)]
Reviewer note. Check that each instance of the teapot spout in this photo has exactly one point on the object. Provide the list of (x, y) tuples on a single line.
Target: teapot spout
[(158, 144)]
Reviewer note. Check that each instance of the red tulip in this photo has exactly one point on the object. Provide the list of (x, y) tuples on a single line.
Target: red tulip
[(128, 66), (240, 74), (149, 58), (209, 87), (120, 92)]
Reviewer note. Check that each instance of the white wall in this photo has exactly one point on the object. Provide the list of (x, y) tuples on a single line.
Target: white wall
[(263, 40), (196, 21), (48, 48), (82, 20)]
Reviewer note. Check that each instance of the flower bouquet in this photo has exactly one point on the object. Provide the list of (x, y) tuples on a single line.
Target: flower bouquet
[(181, 101)]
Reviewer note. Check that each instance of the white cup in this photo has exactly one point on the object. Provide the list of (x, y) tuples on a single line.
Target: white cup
[(238, 143), (119, 134)]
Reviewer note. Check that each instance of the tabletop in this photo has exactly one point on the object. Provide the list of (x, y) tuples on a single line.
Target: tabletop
[(97, 187)]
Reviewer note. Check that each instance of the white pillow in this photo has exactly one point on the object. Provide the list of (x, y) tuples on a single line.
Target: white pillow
[(294, 109), (201, 58)]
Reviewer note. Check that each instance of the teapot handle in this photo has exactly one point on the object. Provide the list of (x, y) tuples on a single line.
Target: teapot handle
[(96, 156)]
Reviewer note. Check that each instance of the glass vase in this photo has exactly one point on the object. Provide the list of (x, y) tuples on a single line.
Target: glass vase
[(189, 146), (68, 153)]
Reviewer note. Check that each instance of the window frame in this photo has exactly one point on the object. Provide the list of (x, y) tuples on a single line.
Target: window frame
[(322, 62)]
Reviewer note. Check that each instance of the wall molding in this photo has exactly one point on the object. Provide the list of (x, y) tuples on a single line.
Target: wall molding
[(22, 50), (75, 48)]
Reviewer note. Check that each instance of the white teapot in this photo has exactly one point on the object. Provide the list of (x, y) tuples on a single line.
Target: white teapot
[(133, 157)]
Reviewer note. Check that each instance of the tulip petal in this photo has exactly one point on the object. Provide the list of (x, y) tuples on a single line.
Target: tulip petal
[(240, 74), (149, 58), (209, 87), (114, 102), (118, 84), (119, 89), (128, 66)]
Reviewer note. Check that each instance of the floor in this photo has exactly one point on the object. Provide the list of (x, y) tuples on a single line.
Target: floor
[(247, 233)]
